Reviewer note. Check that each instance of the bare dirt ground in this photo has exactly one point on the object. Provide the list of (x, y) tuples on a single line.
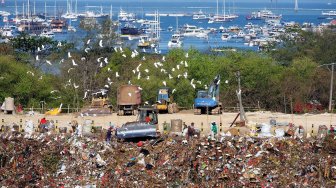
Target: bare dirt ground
[(306, 120)]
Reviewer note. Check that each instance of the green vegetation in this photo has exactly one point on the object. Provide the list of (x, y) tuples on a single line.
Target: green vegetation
[(271, 80)]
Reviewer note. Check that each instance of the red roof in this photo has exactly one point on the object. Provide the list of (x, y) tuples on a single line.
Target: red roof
[(333, 22)]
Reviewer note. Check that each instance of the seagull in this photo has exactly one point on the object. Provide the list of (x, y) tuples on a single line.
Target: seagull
[(139, 88), (192, 81), (48, 62), (182, 63), (178, 67), (83, 58), (138, 67), (178, 76), (173, 69), (37, 58), (226, 81), (147, 78), (106, 86), (69, 55), (62, 60), (174, 90), (146, 103), (75, 86), (185, 64), (105, 60), (70, 70), (133, 55), (30, 72), (117, 75), (115, 49), (187, 55), (120, 49), (193, 85), (139, 75), (42, 46), (88, 41), (41, 77), (59, 44), (199, 82), (53, 91), (74, 63), (85, 95), (143, 58), (163, 58), (123, 55), (38, 49), (185, 74), (101, 64), (109, 69), (205, 87), (133, 71), (101, 43), (170, 76), (86, 50), (108, 79), (99, 58), (156, 66), (146, 70), (164, 83), (144, 50)]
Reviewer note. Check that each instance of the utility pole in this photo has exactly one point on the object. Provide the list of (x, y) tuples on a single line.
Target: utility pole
[(331, 85), (241, 108)]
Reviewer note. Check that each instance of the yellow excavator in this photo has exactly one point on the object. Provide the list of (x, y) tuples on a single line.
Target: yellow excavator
[(165, 102)]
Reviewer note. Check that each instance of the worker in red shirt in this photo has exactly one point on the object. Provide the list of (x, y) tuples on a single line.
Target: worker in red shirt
[(148, 119), (43, 121)]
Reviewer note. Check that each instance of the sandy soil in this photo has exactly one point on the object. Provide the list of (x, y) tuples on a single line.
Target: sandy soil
[(306, 120)]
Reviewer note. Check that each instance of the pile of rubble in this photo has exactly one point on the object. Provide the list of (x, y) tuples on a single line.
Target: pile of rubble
[(68, 161)]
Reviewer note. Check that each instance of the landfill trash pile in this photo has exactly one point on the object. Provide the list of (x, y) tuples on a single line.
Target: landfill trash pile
[(64, 160)]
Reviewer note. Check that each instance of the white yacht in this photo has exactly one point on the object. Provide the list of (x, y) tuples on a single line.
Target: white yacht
[(123, 16), (329, 13), (6, 32), (46, 33), (199, 16), (175, 41), (226, 36), (190, 30)]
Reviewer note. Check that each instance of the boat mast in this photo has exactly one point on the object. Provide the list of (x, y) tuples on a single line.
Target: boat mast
[(23, 10), (45, 10), (34, 8), (217, 9), (55, 9), (111, 13), (296, 8), (76, 8), (16, 12), (28, 11), (224, 10)]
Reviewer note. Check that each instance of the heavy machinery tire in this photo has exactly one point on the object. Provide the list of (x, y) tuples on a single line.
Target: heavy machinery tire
[(170, 109)]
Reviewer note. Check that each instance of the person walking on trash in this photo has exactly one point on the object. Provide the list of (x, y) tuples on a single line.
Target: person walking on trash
[(213, 130)]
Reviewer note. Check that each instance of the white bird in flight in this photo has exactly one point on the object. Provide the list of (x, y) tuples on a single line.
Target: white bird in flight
[(101, 43), (146, 70), (74, 63), (88, 41), (117, 75), (105, 60), (163, 58), (86, 50), (69, 55), (47, 61), (30, 72), (164, 83), (75, 86), (37, 58), (185, 64), (124, 55), (187, 55), (70, 70), (174, 90)]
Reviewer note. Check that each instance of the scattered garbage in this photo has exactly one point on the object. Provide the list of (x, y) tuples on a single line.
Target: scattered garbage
[(70, 160)]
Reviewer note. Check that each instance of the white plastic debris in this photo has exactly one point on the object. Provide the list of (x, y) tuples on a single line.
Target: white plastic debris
[(29, 127), (265, 130), (279, 133)]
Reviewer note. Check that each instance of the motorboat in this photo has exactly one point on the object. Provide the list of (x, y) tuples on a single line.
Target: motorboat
[(190, 30), (47, 33), (123, 16), (226, 36), (175, 41), (129, 29), (329, 13), (199, 16)]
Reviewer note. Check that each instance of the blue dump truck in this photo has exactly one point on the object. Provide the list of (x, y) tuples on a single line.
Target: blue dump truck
[(207, 101), (146, 125)]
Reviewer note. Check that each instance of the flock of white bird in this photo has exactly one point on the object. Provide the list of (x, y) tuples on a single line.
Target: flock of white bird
[(103, 61)]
